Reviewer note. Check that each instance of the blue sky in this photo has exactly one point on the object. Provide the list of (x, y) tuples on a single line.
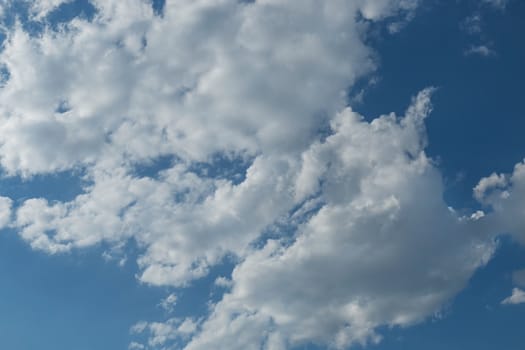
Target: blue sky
[(228, 175)]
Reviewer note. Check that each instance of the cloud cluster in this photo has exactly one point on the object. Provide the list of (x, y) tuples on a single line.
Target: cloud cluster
[(361, 235), (384, 249), (249, 81)]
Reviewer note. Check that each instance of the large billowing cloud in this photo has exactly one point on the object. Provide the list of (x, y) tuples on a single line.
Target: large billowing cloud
[(227, 103), (384, 249), (248, 83)]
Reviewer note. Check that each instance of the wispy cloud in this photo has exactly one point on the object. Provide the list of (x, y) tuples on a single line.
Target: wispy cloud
[(481, 50), (517, 297)]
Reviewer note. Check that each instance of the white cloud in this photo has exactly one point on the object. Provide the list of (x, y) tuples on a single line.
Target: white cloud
[(369, 240), (500, 4), (161, 333), (482, 50), (472, 24), (384, 250), (40, 8), (169, 302), (5, 211), (505, 194), (243, 80), (517, 297)]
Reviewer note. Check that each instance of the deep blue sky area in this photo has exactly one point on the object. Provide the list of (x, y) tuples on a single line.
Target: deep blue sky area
[(478, 121), (80, 301)]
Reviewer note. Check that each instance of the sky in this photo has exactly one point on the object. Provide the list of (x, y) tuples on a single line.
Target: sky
[(268, 174)]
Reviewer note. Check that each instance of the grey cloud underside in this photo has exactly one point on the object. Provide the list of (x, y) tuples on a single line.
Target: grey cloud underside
[(362, 237)]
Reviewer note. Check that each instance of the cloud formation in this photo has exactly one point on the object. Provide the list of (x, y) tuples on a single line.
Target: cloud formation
[(384, 249), (337, 224), (253, 82), (517, 297)]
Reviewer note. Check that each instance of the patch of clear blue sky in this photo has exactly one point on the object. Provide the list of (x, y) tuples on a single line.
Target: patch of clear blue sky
[(223, 166), (79, 301), (63, 186), (72, 301)]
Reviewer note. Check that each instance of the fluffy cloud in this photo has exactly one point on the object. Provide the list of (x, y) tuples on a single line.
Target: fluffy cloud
[(232, 84), (364, 238), (244, 81), (517, 297), (384, 249), (159, 334), (40, 8), (505, 195)]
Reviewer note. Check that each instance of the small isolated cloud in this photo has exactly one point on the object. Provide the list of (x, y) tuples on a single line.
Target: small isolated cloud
[(505, 195), (472, 24), (481, 50), (517, 297), (499, 4), (168, 303), (161, 334), (136, 346)]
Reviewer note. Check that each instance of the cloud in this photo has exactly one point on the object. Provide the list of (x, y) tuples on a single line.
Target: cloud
[(168, 303), (504, 194), (472, 24), (160, 333), (108, 95), (361, 235), (500, 4), (41, 8), (384, 249), (482, 50), (517, 297), (5, 211)]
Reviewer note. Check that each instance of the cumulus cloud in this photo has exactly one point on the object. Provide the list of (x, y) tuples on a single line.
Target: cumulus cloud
[(160, 333), (517, 297), (245, 81), (384, 249), (361, 235), (505, 195)]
